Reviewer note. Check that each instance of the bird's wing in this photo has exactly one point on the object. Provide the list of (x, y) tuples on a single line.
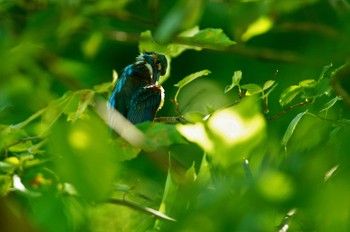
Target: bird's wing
[(113, 99), (127, 72), (145, 103)]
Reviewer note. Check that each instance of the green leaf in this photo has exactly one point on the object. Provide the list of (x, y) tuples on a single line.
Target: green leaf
[(324, 71), (323, 87), (260, 26), (188, 79), (55, 109), (252, 89), (204, 175), (308, 83), (125, 151), (289, 94), (291, 128), (194, 116), (184, 15), (5, 184), (191, 78), (21, 147), (228, 134), (169, 197), (197, 133), (331, 103), (234, 132), (6, 167), (84, 157), (147, 43), (104, 87), (236, 78), (208, 38), (161, 134), (268, 84), (86, 98)]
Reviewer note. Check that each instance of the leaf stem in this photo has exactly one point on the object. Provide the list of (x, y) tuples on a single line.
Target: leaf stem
[(141, 208), (288, 109)]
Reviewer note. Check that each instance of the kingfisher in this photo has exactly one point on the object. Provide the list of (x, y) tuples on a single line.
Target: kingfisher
[(137, 94)]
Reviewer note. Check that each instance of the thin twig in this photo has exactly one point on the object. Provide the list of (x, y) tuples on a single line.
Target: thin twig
[(171, 120), (176, 107), (22, 140), (340, 123), (141, 208), (288, 109)]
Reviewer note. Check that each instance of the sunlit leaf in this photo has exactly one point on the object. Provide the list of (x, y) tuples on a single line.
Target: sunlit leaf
[(260, 26), (270, 90), (252, 89), (291, 128), (161, 134), (309, 83), (233, 128), (197, 133), (147, 43), (289, 94), (236, 78), (268, 84), (21, 147), (208, 38), (228, 131)]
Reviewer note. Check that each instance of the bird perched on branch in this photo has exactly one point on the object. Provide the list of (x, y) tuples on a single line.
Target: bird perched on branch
[(137, 95)]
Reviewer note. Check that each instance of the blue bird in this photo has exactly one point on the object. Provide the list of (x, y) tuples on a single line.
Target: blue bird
[(137, 95)]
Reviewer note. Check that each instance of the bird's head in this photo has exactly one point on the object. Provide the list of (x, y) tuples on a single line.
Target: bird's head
[(157, 64)]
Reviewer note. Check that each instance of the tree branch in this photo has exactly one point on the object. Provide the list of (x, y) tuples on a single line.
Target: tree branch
[(288, 109), (141, 208)]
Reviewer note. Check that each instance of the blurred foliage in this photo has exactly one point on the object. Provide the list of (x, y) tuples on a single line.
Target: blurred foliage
[(256, 141)]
